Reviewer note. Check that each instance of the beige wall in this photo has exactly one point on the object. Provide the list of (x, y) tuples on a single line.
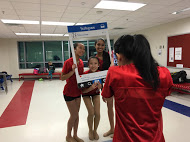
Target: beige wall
[(157, 37)]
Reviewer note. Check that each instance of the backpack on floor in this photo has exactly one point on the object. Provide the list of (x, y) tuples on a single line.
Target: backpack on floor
[(35, 71), (179, 77)]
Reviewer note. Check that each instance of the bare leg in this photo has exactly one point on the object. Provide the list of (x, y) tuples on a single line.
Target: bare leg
[(75, 136), (73, 116), (96, 102), (90, 109), (111, 118)]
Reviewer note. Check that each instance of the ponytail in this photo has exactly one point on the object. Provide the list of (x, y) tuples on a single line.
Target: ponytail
[(137, 49)]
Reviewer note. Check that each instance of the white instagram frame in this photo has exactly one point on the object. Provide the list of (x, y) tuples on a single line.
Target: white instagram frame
[(82, 31)]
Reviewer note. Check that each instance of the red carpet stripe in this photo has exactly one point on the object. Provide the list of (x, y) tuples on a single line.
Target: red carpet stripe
[(17, 111)]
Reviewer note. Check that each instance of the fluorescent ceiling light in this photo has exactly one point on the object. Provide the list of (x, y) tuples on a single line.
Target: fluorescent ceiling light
[(52, 34), (57, 23), (34, 34), (177, 12), (19, 21), (66, 34), (119, 5), (82, 23)]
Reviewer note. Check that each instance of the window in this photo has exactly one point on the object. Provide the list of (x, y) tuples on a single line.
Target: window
[(92, 49), (34, 65), (65, 50), (34, 51), (37, 54), (21, 51), (53, 51)]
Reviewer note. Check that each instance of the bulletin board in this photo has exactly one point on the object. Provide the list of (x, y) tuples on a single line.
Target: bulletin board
[(178, 52)]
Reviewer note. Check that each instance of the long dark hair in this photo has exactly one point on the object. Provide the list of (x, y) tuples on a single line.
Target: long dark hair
[(137, 49), (106, 56)]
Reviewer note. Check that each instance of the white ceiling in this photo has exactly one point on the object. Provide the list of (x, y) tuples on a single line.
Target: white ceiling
[(156, 12)]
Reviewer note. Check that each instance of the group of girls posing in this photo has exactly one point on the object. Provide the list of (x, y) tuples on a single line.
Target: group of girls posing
[(91, 95), (138, 85)]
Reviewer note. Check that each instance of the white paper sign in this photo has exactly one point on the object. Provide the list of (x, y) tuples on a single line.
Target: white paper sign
[(159, 52), (179, 65), (178, 53), (171, 54)]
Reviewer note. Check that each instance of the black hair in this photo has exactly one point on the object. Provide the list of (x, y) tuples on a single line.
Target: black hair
[(137, 49), (99, 40), (93, 57), (75, 45)]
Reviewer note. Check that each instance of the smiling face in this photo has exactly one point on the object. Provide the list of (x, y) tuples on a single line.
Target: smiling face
[(93, 64), (80, 50), (100, 46)]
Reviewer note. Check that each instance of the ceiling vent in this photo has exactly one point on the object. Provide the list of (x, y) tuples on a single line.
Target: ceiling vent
[(118, 28)]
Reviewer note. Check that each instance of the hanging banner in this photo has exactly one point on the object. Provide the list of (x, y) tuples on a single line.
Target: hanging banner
[(84, 31)]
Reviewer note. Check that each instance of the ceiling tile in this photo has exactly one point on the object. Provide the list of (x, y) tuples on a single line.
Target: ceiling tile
[(182, 3), (33, 1), (87, 21), (163, 2), (76, 10), (51, 14), (69, 15), (84, 3), (17, 29), (60, 30), (5, 4), (105, 18), (119, 13), (154, 13), (57, 2), (54, 8), (33, 18), (32, 28), (55, 19), (95, 11), (26, 6), (150, 8), (93, 17), (47, 29), (72, 20), (6, 11), (14, 17), (28, 13)]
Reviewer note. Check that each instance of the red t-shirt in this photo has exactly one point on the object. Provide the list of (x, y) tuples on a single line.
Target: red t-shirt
[(101, 64), (137, 105), (93, 92), (71, 89)]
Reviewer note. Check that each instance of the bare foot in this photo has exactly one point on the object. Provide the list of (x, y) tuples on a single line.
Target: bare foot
[(96, 136), (108, 133), (70, 139), (78, 139), (91, 135)]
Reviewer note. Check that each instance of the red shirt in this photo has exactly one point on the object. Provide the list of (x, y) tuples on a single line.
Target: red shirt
[(93, 92), (137, 105), (71, 89), (101, 64)]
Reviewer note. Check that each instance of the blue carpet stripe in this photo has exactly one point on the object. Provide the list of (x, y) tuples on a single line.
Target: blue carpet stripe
[(182, 109)]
